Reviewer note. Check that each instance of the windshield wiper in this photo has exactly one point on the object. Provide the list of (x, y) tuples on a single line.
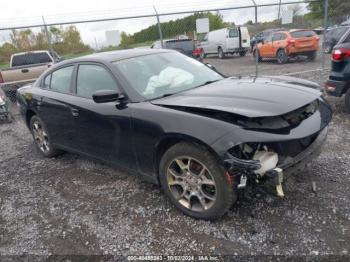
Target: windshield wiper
[(162, 96), (170, 94), (207, 83)]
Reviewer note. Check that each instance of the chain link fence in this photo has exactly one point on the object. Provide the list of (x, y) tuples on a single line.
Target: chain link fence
[(255, 38)]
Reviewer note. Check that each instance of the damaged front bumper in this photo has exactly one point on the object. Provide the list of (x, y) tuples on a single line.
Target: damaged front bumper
[(271, 148), (303, 159), (246, 169)]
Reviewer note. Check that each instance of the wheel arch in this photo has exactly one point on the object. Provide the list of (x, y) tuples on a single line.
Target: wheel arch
[(29, 114), (170, 140)]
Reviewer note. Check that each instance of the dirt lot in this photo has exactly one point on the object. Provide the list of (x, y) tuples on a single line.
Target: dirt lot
[(72, 205)]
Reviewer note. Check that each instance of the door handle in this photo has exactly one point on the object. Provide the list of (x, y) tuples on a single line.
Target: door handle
[(75, 112), (25, 70)]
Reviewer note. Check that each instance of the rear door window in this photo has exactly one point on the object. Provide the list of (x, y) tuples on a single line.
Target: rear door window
[(276, 37), (61, 79), (268, 38), (301, 34), (339, 32), (92, 78), (31, 59), (233, 33)]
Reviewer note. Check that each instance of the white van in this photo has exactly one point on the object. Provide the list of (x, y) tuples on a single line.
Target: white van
[(226, 41)]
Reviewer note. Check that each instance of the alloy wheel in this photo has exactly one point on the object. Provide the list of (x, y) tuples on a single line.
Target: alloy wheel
[(191, 184), (40, 136), (328, 49)]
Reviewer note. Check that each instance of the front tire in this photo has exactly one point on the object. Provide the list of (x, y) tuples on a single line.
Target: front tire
[(312, 56), (194, 181), (42, 138), (221, 53), (243, 53)]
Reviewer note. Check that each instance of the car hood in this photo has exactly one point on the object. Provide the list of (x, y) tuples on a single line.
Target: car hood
[(247, 96)]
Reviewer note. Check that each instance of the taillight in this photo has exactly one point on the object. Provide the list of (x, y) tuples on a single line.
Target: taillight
[(330, 87), (340, 54), (291, 41), (1, 79), (317, 38)]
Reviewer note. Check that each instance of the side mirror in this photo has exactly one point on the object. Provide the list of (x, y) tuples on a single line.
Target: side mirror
[(105, 96)]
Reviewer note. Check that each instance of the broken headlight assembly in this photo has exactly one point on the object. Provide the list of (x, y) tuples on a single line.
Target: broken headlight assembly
[(281, 124), (257, 162)]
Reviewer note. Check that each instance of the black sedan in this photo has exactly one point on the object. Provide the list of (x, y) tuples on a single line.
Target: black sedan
[(178, 123)]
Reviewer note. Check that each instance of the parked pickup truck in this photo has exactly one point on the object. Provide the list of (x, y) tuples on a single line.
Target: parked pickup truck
[(25, 68), (185, 46)]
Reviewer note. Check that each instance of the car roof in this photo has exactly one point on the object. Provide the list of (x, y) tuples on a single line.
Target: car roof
[(296, 30), (112, 56)]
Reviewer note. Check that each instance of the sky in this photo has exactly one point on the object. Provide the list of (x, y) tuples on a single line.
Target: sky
[(20, 12)]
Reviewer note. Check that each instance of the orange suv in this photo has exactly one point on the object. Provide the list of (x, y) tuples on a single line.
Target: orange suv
[(284, 44)]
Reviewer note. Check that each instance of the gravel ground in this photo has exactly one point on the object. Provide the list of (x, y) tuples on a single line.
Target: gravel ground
[(236, 65), (71, 205)]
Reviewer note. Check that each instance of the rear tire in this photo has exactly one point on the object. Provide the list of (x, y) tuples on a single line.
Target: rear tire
[(194, 181), (347, 101), (281, 56), (221, 53), (42, 137), (312, 56), (328, 49)]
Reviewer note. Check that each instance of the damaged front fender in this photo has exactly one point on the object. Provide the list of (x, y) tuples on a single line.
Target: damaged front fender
[(305, 132)]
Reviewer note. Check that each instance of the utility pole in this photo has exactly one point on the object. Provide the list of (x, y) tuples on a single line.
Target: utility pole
[(159, 27), (279, 10), (96, 46), (256, 43), (48, 40), (325, 22)]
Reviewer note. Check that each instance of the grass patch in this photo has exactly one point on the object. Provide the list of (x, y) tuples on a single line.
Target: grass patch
[(4, 65)]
